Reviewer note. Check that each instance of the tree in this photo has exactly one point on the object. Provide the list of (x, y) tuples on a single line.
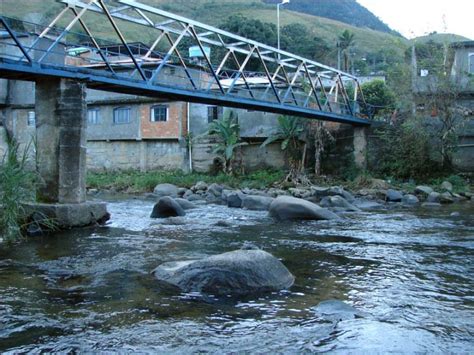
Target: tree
[(345, 42), (227, 130), (379, 96)]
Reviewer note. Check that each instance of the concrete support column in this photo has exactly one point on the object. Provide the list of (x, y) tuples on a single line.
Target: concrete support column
[(360, 147), (61, 140)]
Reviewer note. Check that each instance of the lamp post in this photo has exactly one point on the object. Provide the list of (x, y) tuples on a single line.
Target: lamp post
[(278, 23)]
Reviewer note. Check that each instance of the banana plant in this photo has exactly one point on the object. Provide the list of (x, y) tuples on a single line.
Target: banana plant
[(227, 130)]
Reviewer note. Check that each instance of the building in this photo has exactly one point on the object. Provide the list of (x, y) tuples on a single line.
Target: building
[(447, 80)]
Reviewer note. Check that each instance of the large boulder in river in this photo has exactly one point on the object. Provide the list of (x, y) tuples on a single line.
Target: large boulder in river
[(236, 273), (185, 204), (256, 203), (234, 199), (162, 190), (167, 207), (292, 208), (338, 202)]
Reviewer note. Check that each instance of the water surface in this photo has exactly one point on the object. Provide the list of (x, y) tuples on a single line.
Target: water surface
[(408, 271)]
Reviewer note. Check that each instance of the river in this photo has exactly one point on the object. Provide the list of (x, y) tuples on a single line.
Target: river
[(408, 271)]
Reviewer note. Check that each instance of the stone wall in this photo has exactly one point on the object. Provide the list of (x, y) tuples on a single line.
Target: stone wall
[(252, 156), (3, 143), (138, 155)]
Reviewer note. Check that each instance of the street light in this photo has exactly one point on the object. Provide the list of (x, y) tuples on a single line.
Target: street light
[(278, 23)]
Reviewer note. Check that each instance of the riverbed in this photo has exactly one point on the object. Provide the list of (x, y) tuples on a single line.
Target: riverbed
[(408, 271)]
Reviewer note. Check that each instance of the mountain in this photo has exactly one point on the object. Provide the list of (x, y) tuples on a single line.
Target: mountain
[(346, 11), (216, 12)]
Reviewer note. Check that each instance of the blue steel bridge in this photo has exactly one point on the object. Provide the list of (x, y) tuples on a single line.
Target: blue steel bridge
[(225, 69)]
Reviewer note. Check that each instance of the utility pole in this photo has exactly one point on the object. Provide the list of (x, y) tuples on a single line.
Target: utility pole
[(278, 23)]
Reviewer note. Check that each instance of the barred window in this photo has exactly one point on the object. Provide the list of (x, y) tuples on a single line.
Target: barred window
[(214, 113), (159, 113)]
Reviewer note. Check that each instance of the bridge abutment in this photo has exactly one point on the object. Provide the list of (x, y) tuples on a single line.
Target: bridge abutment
[(61, 122), (360, 147)]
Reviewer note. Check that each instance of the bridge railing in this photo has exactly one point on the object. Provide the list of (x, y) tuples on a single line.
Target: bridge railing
[(235, 69)]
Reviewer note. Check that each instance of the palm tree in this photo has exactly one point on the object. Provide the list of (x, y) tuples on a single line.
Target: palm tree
[(227, 130), (345, 41)]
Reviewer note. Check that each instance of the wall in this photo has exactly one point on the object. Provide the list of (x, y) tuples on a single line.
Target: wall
[(252, 156), (172, 128), (3, 143), (144, 155), (106, 129)]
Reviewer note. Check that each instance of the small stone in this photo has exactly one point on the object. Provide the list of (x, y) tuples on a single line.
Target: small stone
[(200, 186), (446, 197), (215, 189), (447, 186), (433, 197), (393, 196), (410, 199), (423, 190), (455, 214)]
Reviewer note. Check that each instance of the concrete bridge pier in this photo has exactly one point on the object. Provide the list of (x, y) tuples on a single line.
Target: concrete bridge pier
[(61, 119), (360, 147)]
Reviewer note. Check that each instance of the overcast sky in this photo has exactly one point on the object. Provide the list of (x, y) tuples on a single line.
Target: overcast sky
[(413, 18)]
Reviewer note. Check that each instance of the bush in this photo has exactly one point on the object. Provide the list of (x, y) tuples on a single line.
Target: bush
[(17, 185), (405, 152)]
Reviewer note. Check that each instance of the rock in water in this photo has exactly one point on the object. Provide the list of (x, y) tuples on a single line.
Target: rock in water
[(162, 190), (236, 273), (336, 310), (185, 204), (393, 196), (167, 207), (291, 208), (256, 203)]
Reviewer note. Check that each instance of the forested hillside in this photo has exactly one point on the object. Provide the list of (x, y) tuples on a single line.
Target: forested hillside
[(347, 11)]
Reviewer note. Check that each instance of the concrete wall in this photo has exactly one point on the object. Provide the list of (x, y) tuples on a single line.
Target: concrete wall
[(144, 155), (460, 68), (3, 143), (106, 129)]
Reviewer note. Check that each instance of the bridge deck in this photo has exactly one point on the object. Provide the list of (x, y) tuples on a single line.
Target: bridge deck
[(280, 82)]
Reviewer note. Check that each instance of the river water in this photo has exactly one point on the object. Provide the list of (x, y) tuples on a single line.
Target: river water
[(409, 272)]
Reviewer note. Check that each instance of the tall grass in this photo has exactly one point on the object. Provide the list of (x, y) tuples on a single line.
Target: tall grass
[(17, 185)]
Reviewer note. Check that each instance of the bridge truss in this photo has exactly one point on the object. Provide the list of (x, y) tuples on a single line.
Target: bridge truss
[(228, 70)]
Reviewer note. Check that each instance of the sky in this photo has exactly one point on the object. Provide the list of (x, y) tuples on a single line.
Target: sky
[(413, 18)]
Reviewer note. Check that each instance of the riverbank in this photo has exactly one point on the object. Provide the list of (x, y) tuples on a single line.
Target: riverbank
[(136, 182)]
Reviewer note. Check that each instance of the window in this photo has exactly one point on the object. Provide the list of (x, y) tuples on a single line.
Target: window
[(214, 113), (31, 120), (93, 116), (122, 115), (159, 113), (471, 63)]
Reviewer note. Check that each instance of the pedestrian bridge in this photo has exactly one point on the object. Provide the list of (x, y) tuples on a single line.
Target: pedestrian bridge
[(151, 52)]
